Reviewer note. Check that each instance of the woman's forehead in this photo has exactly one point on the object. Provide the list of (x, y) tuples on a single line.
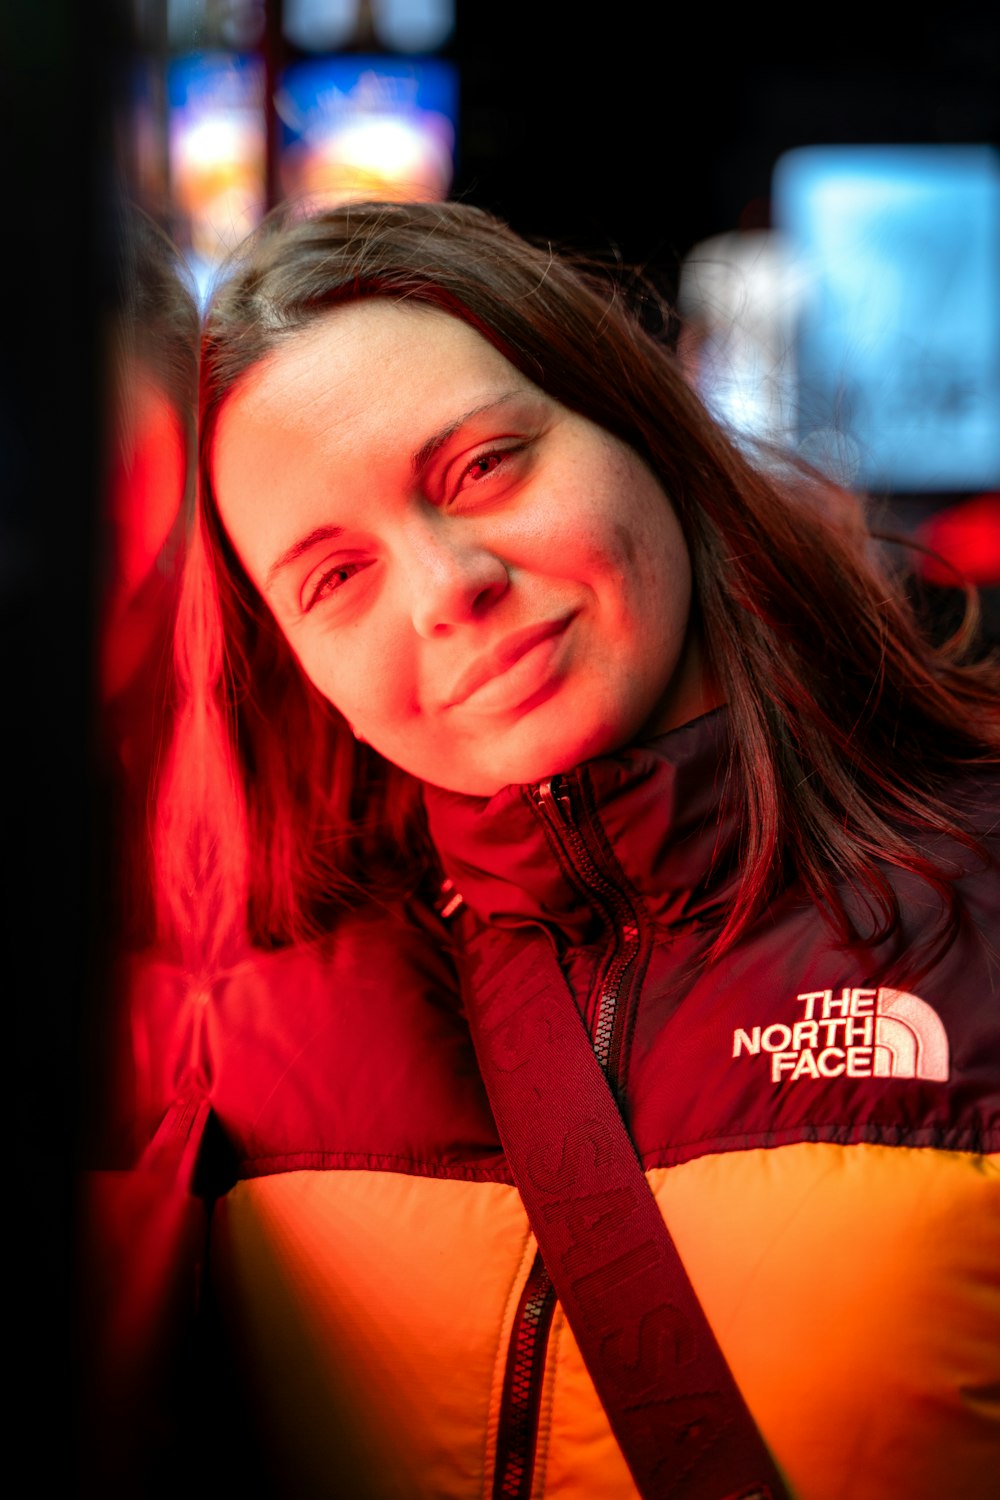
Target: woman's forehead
[(373, 372), (369, 382), (367, 351)]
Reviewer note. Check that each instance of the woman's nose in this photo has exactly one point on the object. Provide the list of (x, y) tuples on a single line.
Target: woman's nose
[(454, 578)]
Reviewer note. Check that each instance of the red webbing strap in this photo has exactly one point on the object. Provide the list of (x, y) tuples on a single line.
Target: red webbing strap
[(663, 1381)]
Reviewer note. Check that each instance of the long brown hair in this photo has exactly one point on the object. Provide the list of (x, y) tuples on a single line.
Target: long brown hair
[(847, 723)]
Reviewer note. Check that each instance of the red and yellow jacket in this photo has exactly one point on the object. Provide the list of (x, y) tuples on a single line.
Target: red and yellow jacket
[(816, 1131)]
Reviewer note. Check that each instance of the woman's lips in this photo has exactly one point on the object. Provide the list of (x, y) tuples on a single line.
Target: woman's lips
[(519, 668)]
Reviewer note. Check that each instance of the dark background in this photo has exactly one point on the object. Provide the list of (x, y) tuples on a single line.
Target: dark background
[(655, 132), (638, 135)]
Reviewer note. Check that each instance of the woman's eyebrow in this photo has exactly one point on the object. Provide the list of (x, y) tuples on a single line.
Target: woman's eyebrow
[(424, 454), (320, 534)]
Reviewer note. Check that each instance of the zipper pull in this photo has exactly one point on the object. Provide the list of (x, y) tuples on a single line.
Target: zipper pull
[(553, 797), (449, 900)]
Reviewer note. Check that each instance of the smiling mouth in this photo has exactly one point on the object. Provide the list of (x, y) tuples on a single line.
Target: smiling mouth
[(521, 667)]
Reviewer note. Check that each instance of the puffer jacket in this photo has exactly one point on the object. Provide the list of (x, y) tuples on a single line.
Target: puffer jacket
[(815, 1127)]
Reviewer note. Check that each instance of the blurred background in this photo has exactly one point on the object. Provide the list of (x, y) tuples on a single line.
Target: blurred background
[(818, 198), (827, 224)]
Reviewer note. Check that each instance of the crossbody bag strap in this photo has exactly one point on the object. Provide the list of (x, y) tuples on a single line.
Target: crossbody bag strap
[(670, 1398)]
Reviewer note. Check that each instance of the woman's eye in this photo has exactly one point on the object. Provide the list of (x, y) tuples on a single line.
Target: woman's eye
[(333, 580), (485, 465), (480, 467)]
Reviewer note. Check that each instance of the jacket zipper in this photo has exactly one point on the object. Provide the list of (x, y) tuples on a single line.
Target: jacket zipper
[(554, 801), (522, 1386), (522, 1390)]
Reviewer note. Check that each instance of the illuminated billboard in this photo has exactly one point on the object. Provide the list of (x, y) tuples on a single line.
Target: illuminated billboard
[(355, 128), (898, 318)]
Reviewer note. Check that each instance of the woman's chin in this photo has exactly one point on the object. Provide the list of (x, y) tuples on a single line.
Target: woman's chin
[(489, 773)]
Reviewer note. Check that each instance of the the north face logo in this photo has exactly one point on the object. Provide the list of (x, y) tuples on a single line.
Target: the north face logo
[(880, 1033)]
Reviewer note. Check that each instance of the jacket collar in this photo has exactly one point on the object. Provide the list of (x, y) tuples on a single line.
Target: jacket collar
[(649, 817)]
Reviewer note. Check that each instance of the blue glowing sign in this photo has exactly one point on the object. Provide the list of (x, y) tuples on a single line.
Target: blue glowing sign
[(898, 345)]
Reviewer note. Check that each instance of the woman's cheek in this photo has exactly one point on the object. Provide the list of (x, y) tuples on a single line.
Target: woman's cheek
[(323, 660), (375, 673)]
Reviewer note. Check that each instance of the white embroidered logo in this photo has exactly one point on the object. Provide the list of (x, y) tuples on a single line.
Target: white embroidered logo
[(880, 1033)]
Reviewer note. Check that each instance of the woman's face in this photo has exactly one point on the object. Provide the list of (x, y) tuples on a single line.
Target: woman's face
[(488, 587)]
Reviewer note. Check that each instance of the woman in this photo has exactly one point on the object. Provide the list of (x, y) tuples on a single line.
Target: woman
[(521, 656)]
